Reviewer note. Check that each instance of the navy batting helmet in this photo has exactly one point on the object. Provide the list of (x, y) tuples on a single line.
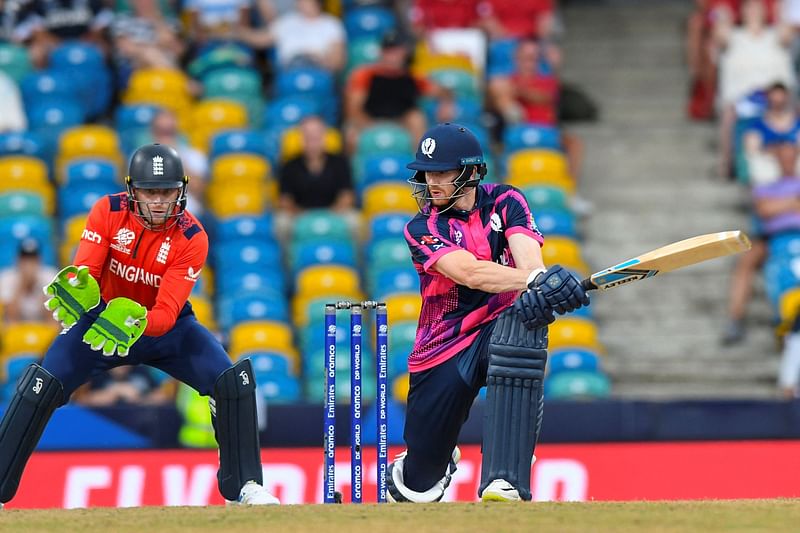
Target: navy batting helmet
[(156, 166), (447, 147)]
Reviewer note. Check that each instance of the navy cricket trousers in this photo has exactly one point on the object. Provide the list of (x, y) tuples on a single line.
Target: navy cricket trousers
[(187, 352)]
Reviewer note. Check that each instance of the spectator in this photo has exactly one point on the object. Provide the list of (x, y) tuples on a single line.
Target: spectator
[(305, 36), (21, 286), (164, 129), (778, 124), (12, 110), (123, 385), (516, 19), (751, 57), (530, 95), (143, 38), (44, 24), (777, 210), (315, 179), (212, 21), (427, 15), (386, 91)]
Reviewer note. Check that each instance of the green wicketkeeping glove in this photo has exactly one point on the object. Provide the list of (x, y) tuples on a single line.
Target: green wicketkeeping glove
[(72, 292), (120, 324)]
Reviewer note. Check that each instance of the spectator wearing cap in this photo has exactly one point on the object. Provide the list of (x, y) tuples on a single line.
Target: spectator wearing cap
[(21, 286), (386, 90)]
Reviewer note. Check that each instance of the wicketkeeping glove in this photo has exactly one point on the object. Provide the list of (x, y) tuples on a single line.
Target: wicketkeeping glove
[(120, 324), (72, 293), (561, 289), (534, 310)]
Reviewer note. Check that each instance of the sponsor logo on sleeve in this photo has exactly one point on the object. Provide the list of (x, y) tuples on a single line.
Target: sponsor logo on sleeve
[(192, 274), (91, 236), (432, 242)]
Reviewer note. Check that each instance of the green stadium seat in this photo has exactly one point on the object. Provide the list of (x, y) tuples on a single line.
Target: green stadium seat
[(385, 138), (15, 61), (546, 197), (577, 385), (388, 253), (15, 203), (320, 224)]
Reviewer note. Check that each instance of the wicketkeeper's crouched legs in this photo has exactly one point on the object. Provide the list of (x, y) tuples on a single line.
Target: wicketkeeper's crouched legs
[(37, 395), (514, 406), (233, 410)]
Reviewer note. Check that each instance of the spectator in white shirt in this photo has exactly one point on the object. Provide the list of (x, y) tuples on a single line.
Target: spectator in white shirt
[(12, 110), (21, 286)]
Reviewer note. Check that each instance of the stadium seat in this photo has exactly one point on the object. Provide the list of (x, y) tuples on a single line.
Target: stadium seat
[(17, 172), (576, 384), (16, 203), (535, 167), (385, 138), (148, 81), (79, 197), (22, 143), (203, 310), (392, 280), (501, 57), (466, 111), (279, 389), (788, 307), (73, 228), (50, 85), (390, 225), (236, 307), (546, 197), (32, 338), (315, 386), (325, 279), (243, 277), (289, 110), (551, 222), (569, 360), (305, 254), (320, 224), (523, 136), (260, 335), (376, 168), (573, 333), (460, 82), (271, 362), (90, 171), (368, 22), (362, 51), (403, 306), (249, 227), (400, 386), (54, 115), (232, 82), (90, 141), (389, 253), (136, 116), (383, 198), (14, 367), (228, 255), (238, 141), (15, 61), (292, 142), (308, 308), (227, 200), (566, 252), (785, 245), (212, 116), (309, 81), (242, 167)]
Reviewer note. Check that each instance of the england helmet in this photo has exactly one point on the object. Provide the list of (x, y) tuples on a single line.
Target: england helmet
[(156, 166)]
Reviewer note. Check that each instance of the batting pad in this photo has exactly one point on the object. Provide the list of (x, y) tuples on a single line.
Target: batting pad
[(37, 396), (236, 429)]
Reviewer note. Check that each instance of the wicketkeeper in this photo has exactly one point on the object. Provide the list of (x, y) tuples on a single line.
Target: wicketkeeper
[(124, 302), (487, 300)]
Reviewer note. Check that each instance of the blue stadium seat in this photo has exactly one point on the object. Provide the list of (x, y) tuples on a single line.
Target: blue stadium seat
[(278, 389), (784, 245), (77, 55), (308, 81), (781, 273), (289, 110), (240, 141), (134, 116), (79, 197), (501, 57), (554, 222), (368, 22), (21, 143), (465, 110), (245, 227), (233, 308), (391, 280), (573, 360), (252, 252), (316, 252), (15, 228), (272, 363), (48, 85), (90, 171), (15, 367), (251, 278), (375, 168), (53, 116), (385, 226), (523, 136)]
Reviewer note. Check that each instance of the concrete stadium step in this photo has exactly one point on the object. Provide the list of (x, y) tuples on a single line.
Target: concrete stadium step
[(647, 171)]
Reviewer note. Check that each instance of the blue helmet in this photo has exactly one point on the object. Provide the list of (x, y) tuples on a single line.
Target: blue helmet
[(448, 147)]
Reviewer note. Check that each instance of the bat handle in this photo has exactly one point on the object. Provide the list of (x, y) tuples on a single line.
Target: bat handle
[(588, 285)]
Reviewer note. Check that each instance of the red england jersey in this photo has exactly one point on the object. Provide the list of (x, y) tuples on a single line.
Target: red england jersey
[(157, 269)]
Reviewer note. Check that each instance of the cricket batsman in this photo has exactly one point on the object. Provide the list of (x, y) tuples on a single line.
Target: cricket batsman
[(487, 300), (124, 302)]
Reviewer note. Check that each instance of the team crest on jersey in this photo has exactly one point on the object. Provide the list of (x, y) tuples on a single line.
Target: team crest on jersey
[(428, 146), (496, 223), (122, 240), (163, 252), (158, 166), (432, 242)]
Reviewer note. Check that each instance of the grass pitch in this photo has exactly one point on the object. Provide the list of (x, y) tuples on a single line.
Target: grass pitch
[(705, 516)]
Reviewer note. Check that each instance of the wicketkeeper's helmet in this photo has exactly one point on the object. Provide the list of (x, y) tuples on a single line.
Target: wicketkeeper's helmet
[(156, 166)]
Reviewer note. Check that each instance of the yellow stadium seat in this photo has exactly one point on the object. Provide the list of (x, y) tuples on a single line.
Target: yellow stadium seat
[(388, 198), (27, 338), (66, 252), (400, 387), (204, 311), (302, 304), (323, 279), (573, 332), (158, 80), (88, 141), (16, 172), (788, 307), (566, 252), (73, 228), (292, 142), (530, 167), (260, 335), (239, 167), (232, 199), (212, 116), (403, 306)]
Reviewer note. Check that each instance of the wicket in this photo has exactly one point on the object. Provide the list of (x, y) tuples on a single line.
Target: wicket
[(381, 400)]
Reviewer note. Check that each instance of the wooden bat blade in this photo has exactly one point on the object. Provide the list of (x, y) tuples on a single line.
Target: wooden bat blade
[(670, 257)]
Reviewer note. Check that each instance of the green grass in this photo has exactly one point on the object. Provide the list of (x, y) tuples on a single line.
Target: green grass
[(705, 516)]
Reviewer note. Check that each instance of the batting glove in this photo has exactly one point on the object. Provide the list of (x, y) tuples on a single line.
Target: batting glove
[(562, 290)]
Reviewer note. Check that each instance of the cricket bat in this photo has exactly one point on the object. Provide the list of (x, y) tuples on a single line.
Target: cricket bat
[(670, 257)]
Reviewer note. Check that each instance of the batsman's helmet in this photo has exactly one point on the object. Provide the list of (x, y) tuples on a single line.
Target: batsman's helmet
[(447, 147), (156, 166)]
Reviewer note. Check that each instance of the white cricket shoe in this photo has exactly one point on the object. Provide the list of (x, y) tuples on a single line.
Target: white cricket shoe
[(500, 490), (254, 494)]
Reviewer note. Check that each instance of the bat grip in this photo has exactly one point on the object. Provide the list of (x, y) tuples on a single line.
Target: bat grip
[(588, 285)]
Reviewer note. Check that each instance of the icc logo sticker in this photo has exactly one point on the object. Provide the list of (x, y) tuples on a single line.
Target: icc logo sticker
[(331, 330), (428, 146)]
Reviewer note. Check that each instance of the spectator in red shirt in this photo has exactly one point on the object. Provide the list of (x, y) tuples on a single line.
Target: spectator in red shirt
[(429, 15), (516, 19)]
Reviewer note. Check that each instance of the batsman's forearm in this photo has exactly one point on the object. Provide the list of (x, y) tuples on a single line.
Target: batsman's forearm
[(491, 277)]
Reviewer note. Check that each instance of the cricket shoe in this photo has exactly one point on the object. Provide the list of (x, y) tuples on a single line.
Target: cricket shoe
[(398, 492), (254, 494), (500, 490)]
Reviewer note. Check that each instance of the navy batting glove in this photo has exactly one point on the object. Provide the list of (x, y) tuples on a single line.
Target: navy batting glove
[(561, 289), (533, 308)]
